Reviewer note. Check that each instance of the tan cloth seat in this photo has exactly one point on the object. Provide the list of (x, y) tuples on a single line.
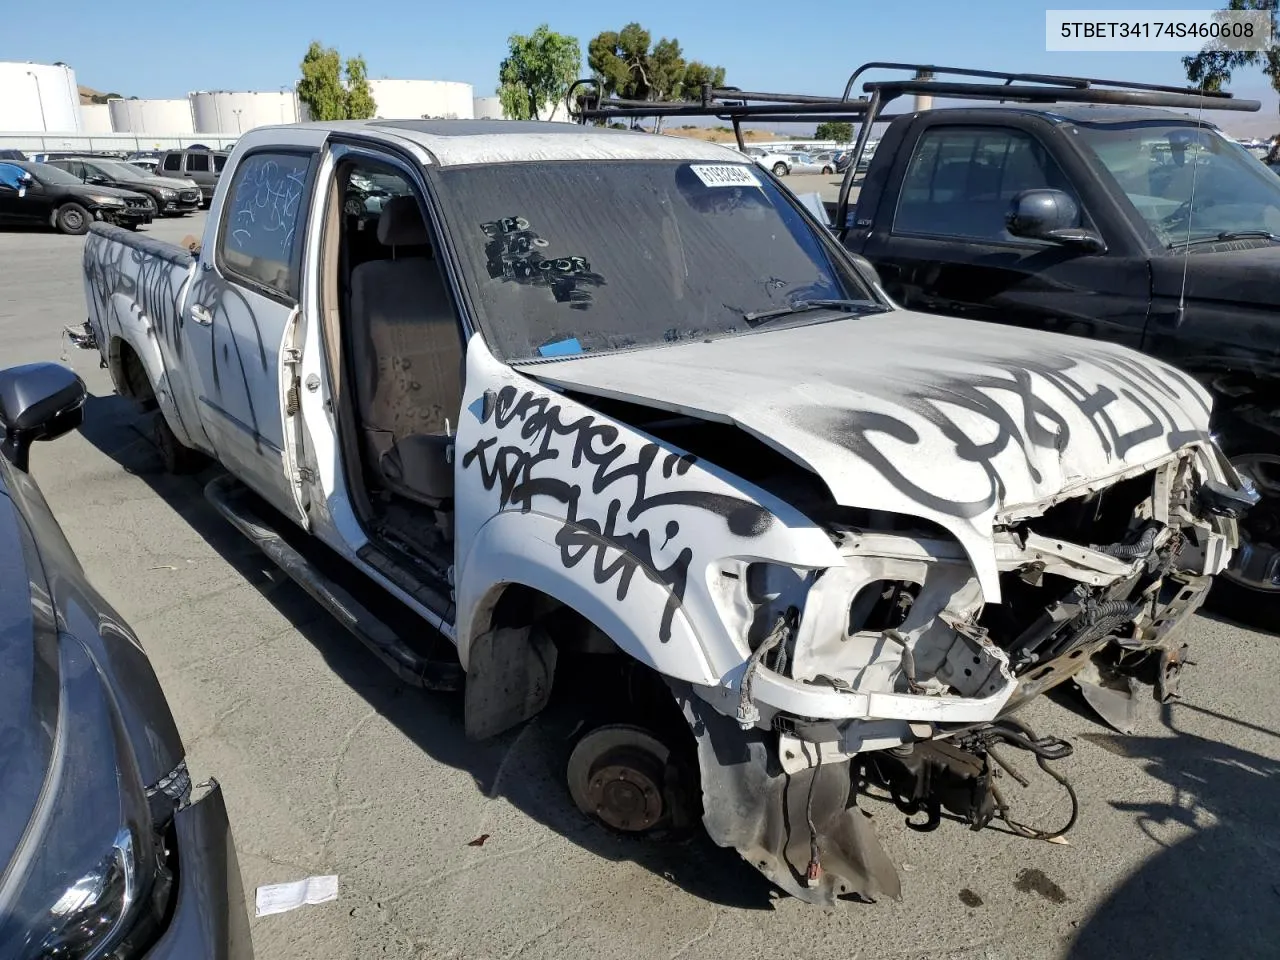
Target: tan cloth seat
[(406, 346)]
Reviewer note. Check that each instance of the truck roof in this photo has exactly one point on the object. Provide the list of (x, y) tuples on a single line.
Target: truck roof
[(457, 142), (1090, 112)]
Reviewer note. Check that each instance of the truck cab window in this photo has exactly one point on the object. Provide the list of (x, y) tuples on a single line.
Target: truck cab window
[(961, 180), (259, 241)]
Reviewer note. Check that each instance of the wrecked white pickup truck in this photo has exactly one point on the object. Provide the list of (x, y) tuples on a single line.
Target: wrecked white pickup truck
[(612, 407)]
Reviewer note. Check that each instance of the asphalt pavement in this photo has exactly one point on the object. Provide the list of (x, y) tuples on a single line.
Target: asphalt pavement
[(449, 849)]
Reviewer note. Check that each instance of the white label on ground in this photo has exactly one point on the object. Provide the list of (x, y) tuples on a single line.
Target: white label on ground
[(280, 897)]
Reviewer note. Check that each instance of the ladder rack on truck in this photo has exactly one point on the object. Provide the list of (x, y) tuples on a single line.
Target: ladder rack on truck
[(734, 105)]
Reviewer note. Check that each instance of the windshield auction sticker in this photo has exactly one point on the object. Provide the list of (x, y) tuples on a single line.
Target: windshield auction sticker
[(724, 175), (1170, 31)]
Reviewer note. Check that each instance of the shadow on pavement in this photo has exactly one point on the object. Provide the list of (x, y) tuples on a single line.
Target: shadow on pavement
[(1215, 893), (524, 766)]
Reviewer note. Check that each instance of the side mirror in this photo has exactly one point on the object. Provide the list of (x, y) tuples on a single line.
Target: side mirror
[(38, 401), (1052, 216), (96, 178)]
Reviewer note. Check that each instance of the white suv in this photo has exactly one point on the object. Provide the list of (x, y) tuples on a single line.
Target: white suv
[(779, 163)]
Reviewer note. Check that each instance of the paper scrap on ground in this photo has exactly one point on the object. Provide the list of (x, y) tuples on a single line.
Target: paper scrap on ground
[(279, 897)]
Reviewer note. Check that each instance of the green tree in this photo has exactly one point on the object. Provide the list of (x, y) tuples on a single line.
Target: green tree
[(321, 85), (627, 66), (620, 61), (360, 103), (1211, 69), (695, 75), (537, 72), (836, 130)]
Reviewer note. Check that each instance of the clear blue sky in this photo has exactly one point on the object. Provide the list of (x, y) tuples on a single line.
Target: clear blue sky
[(244, 45)]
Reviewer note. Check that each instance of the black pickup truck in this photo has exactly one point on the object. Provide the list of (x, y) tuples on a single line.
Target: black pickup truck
[(1135, 225), (1086, 207)]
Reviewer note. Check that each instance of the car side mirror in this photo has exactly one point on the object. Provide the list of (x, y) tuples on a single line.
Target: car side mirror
[(38, 401), (96, 178), (1051, 216)]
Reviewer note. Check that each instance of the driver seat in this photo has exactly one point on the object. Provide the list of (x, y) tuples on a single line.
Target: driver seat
[(406, 352)]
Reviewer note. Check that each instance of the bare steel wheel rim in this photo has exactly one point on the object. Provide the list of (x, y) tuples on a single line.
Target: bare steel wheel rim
[(616, 776), (72, 219), (1256, 564)]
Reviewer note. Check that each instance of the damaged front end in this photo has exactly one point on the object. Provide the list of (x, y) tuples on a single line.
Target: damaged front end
[(894, 670)]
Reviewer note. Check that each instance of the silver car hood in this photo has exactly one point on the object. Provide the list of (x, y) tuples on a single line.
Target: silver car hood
[(955, 421)]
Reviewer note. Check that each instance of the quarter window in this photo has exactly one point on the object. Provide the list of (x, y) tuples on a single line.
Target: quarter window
[(259, 241), (960, 181)]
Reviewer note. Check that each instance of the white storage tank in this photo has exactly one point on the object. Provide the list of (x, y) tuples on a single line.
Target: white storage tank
[(488, 108), (414, 99), (38, 97), (221, 111), (151, 116), (95, 118)]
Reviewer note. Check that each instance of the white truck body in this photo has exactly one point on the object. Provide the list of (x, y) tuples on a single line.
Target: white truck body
[(718, 505)]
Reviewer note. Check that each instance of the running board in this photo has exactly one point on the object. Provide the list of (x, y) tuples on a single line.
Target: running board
[(228, 498)]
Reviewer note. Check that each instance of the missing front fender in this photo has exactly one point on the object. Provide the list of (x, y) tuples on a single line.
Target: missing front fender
[(800, 830)]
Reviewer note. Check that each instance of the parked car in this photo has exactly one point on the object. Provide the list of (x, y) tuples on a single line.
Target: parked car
[(33, 193), (103, 851), (7, 153), (1155, 231), (814, 163), (778, 163), (199, 165), (172, 198), (762, 527), (146, 160)]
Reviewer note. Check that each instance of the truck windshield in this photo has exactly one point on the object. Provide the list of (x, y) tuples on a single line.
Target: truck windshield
[(1157, 164), (567, 257)]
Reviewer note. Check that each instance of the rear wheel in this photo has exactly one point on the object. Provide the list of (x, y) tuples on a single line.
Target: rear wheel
[(176, 456), (779, 169), (73, 219), (828, 171)]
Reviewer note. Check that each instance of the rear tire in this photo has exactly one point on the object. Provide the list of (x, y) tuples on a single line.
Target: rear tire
[(73, 220), (177, 457)]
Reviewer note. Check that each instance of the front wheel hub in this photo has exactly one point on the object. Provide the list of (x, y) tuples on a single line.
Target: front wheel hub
[(616, 776)]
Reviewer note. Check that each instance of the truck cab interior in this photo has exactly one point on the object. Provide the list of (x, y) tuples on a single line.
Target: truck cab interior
[(401, 351)]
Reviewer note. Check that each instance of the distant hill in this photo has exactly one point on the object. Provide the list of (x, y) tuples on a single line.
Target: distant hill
[(90, 95)]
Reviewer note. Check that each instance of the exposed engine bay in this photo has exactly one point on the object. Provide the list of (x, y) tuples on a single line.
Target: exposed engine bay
[(1093, 588)]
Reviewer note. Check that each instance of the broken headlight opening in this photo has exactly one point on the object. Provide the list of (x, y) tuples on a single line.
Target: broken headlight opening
[(892, 673)]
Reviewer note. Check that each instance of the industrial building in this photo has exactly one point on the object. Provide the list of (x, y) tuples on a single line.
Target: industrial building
[(39, 97), (414, 99), (95, 118), (222, 111), (487, 108), (151, 116), (41, 109)]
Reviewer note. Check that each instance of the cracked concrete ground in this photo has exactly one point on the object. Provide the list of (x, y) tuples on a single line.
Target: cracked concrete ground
[(330, 766)]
